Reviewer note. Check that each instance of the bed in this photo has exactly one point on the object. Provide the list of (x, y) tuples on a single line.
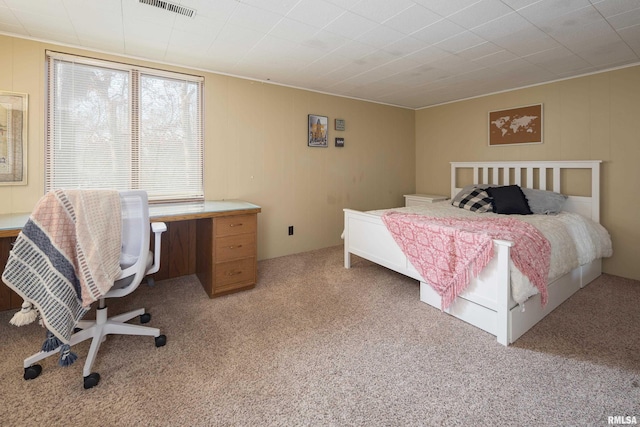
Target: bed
[(487, 302)]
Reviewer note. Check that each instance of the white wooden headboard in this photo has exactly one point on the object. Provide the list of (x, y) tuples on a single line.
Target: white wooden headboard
[(522, 173)]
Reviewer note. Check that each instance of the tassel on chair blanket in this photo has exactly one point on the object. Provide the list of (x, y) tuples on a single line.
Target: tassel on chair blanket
[(26, 315), (51, 343), (67, 357)]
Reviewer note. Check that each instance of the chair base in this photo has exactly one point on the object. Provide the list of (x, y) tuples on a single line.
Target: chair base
[(97, 330)]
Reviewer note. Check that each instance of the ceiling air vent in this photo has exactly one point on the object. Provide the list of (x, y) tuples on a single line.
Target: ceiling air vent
[(171, 7)]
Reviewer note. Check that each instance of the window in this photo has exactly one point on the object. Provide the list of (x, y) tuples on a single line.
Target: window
[(112, 125)]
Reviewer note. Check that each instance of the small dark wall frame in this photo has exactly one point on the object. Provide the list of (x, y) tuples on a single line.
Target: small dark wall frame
[(339, 142)]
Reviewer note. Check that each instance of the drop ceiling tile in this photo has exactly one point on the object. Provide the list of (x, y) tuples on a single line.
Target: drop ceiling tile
[(105, 44), (446, 8), (438, 31), (495, 58), (380, 10), (380, 36), (483, 11), (350, 25), (519, 4), (92, 23), (324, 41), (316, 13), (478, 51), (102, 8), (6, 15), (456, 65), (50, 8), (428, 55), (526, 42), (253, 18), (396, 66), (218, 9), (610, 8), (38, 24), (18, 30), (354, 50), (546, 10), (242, 37), (182, 40), (631, 35), (626, 19), (291, 30), (405, 46), (346, 4), (503, 26), (460, 42), (200, 26), (559, 61), (607, 53), (134, 11), (324, 65), (280, 7), (375, 59), (570, 24), (412, 19)]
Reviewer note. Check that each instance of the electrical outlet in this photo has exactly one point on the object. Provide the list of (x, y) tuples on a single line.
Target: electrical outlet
[(291, 230)]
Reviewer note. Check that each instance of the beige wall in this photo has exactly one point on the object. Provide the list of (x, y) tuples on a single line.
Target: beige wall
[(589, 118), (256, 150)]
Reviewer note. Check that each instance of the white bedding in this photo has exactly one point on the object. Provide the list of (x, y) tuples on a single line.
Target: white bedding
[(574, 239)]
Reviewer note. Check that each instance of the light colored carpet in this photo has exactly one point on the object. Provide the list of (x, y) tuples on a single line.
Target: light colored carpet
[(316, 344)]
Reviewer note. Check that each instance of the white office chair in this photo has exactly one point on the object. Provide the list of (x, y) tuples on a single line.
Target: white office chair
[(136, 261)]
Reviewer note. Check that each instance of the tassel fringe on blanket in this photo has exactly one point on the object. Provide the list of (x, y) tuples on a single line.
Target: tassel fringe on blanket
[(28, 314)]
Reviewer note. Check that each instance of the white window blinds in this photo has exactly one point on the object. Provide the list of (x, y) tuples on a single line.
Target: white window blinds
[(111, 125)]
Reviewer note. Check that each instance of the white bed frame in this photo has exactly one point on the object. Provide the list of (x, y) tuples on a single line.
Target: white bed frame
[(487, 301)]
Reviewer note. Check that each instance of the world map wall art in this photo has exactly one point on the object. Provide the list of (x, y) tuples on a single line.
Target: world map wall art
[(520, 125)]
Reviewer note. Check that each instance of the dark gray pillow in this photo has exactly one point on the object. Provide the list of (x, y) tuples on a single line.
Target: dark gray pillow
[(509, 200), (544, 202)]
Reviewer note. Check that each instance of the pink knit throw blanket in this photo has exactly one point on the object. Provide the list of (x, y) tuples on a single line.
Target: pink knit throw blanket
[(446, 250)]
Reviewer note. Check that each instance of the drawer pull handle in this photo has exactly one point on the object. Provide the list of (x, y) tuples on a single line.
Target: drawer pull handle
[(236, 225), (235, 247), (234, 273)]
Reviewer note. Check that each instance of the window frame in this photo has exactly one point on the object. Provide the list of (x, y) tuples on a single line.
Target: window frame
[(134, 94)]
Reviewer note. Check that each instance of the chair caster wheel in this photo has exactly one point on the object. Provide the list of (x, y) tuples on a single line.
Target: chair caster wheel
[(145, 318), (32, 372), (161, 340), (91, 380)]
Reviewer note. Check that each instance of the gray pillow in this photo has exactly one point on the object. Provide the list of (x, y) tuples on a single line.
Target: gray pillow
[(544, 202)]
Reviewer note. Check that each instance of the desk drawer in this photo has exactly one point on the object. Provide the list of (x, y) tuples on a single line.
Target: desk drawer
[(239, 272), (235, 247), (238, 224)]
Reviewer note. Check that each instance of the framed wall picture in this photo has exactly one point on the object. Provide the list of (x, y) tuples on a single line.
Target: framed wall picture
[(13, 138), (520, 125), (318, 131), (339, 142), (340, 125)]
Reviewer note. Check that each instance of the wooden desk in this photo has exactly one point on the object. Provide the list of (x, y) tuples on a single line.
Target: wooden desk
[(217, 240)]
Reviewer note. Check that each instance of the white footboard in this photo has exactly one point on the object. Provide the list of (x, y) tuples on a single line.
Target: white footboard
[(487, 302)]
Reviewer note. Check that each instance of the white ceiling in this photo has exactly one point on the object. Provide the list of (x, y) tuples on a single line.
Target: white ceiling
[(410, 53)]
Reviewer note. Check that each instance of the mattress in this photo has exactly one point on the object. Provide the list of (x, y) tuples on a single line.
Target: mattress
[(574, 239)]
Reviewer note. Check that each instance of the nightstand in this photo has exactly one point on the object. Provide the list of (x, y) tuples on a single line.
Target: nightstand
[(422, 199)]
